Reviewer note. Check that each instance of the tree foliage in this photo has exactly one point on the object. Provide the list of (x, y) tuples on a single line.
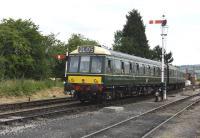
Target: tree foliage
[(20, 46), (55, 47), (22, 50), (132, 38), (157, 55), (26, 53), (77, 40)]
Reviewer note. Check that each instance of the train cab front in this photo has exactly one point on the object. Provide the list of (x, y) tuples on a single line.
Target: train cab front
[(85, 88), (85, 69)]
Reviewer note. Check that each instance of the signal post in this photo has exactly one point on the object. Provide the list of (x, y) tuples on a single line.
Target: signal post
[(163, 23)]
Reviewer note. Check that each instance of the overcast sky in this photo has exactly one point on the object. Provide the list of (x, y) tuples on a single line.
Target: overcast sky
[(99, 19)]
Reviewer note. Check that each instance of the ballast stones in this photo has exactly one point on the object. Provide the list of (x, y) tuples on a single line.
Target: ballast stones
[(112, 109)]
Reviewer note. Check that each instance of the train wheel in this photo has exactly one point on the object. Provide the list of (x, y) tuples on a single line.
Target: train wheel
[(99, 98), (82, 100)]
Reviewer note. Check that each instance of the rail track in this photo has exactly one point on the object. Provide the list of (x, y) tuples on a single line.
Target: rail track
[(31, 104), (144, 124), (70, 107), (26, 110), (20, 112)]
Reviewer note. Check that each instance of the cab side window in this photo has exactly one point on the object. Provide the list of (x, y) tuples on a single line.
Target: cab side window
[(109, 66)]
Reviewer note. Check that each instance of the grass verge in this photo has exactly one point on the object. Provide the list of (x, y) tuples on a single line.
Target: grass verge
[(26, 87)]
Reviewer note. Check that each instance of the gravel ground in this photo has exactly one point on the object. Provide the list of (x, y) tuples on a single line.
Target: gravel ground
[(81, 124), (186, 125)]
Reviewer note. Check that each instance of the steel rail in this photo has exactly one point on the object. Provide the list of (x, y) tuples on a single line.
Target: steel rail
[(170, 118), (68, 110), (20, 105), (134, 117), (5, 117), (46, 111), (38, 108), (58, 109)]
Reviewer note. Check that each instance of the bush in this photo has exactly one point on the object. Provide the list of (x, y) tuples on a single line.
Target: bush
[(25, 87)]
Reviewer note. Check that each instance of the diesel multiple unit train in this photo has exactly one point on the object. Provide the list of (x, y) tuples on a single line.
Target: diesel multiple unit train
[(96, 73)]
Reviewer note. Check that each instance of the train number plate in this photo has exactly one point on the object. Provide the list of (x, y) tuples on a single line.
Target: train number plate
[(86, 49)]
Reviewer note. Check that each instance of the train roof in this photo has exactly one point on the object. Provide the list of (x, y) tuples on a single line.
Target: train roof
[(104, 51)]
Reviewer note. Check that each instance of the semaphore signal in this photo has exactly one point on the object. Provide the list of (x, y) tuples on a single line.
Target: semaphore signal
[(163, 23)]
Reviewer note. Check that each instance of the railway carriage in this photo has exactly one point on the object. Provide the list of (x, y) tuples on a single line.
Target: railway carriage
[(96, 73)]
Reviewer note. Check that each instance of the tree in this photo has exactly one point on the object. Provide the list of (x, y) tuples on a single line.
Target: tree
[(22, 47), (14, 52), (157, 55), (26, 53), (118, 41), (55, 47), (78, 40), (2, 67), (132, 38)]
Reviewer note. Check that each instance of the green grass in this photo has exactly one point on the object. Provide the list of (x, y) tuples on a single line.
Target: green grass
[(25, 87)]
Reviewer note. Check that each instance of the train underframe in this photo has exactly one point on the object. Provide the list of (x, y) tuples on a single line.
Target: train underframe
[(98, 93)]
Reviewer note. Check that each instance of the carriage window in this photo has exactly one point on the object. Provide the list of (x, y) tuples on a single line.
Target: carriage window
[(175, 73), (133, 67), (172, 73), (126, 67), (149, 70), (73, 66), (130, 67), (122, 68), (154, 71), (117, 66), (137, 68), (85, 64), (159, 71), (143, 69), (96, 65)]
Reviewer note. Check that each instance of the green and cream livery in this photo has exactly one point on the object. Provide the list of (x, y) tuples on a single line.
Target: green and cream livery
[(97, 73)]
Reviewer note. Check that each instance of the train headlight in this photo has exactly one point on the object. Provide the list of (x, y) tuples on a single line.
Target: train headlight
[(83, 80), (72, 80), (95, 81)]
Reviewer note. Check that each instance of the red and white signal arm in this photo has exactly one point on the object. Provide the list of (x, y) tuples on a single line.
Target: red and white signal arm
[(162, 22), (60, 57)]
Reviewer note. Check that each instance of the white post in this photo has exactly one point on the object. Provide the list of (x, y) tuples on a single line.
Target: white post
[(65, 79), (66, 62), (163, 64)]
